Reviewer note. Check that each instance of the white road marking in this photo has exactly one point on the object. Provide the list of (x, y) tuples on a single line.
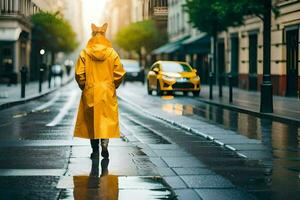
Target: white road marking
[(48, 104), (64, 110), (31, 172)]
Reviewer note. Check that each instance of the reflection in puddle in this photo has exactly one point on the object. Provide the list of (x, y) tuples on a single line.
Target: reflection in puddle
[(105, 186), (167, 97), (95, 187), (178, 109)]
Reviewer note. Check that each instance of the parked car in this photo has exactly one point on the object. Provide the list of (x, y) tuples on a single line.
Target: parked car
[(173, 76), (134, 72), (57, 70)]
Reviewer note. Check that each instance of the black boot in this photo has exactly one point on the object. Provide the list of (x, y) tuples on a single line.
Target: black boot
[(95, 147), (104, 145)]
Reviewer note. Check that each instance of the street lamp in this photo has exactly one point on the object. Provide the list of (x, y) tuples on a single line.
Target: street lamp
[(42, 52), (266, 97)]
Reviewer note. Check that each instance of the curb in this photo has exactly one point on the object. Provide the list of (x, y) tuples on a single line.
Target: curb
[(186, 128), (271, 116), (25, 100)]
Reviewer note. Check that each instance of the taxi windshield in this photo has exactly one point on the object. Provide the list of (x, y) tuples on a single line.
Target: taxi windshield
[(175, 67)]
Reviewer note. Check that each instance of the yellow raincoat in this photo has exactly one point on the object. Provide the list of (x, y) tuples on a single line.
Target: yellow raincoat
[(98, 73)]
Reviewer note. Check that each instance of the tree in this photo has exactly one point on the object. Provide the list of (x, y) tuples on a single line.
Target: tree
[(213, 17), (52, 32), (138, 35)]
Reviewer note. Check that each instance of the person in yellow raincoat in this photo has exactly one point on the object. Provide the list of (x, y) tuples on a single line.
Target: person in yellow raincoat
[(98, 73)]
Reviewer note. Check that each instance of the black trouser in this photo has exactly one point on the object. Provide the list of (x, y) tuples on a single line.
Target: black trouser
[(95, 143)]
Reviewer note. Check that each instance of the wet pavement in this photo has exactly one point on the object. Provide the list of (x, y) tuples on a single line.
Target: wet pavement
[(266, 153), (172, 147), (285, 108), (41, 160)]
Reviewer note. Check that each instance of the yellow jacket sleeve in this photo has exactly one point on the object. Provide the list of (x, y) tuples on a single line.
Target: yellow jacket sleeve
[(119, 71), (80, 72)]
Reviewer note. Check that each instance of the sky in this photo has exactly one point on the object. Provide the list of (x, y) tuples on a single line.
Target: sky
[(92, 13)]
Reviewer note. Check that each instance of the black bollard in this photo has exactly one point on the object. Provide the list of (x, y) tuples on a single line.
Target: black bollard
[(41, 79), (230, 87), (23, 80), (211, 79), (49, 76), (220, 86), (61, 78)]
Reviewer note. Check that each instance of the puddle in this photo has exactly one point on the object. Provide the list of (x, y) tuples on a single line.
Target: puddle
[(178, 109), (100, 184), (168, 97)]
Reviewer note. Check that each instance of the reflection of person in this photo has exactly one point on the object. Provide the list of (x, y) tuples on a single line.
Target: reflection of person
[(98, 73), (89, 187)]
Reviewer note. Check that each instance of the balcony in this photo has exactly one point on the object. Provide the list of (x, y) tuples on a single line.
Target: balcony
[(160, 11), (17, 8)]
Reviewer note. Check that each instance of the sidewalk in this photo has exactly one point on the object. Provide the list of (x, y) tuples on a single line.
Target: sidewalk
[(11, 95), (286, 109)]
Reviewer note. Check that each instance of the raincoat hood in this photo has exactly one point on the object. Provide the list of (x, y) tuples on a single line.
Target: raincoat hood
[(99, 48), (99, 52)]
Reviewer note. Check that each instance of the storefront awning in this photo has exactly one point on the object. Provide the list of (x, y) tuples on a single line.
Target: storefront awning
[(10, 34), (169, 47), (194, 39), (199, 44)]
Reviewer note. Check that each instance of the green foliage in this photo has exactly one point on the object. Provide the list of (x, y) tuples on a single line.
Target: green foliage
[(140, 34), (52, 32), (213, 16)]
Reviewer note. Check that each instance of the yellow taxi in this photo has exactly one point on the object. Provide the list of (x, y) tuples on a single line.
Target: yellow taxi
[(172, 76)]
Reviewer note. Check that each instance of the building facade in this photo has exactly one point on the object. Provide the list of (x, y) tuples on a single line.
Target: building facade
[(240, 51), (122, 13), (185, 42), (15, 33), (118, 14), (15, 37), (157, 10)]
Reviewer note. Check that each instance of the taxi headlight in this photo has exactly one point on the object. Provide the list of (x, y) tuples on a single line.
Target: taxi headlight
[(196, 78), (168, 78)]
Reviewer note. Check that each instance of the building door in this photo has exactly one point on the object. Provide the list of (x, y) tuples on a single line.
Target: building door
[(221, 61), (253, 62), (6, 61), (235, 59), (292, 62), (203, 68)]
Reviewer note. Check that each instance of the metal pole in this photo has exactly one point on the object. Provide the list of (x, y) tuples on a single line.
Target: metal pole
[(220, 85), (49, 76), (266, 97), (230, 87), (211, 79), (41, 79), (23, 81)]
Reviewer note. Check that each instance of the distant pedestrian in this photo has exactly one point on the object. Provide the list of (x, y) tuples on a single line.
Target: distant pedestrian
[(98, 73)]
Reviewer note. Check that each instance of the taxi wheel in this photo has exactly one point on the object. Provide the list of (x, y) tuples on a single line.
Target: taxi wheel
[(185, 93), (148, 88), (158, 90), (196, 93)]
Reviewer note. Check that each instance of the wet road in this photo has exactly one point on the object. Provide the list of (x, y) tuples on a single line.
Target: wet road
[(39, 159), (153, 160), (272, 165)]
